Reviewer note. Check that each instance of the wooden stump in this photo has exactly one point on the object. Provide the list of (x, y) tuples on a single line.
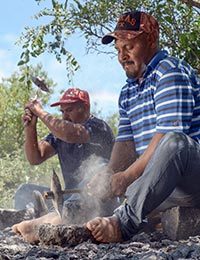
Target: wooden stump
[(62, 235)]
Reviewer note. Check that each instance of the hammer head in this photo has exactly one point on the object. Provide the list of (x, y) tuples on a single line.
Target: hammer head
[(56, 189), (40, 83)]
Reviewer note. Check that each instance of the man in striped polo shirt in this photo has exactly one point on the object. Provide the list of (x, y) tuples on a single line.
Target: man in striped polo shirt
[(156, 156)]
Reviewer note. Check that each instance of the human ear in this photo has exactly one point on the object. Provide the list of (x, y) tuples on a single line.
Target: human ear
[(152, 40)]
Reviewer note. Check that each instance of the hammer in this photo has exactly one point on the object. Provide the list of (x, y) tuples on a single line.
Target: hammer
[(41, 86), (56, 193)]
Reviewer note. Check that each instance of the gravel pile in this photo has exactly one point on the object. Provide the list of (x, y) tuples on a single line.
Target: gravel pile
[(143, 246)]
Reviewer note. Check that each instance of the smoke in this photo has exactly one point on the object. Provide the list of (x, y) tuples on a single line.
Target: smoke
[(90, 203)]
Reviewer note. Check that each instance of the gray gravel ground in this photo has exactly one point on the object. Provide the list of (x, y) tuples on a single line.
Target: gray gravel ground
[(153, 246)]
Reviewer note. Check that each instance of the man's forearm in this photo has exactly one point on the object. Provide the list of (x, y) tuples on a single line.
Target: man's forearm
[(138, 167), (58, 127), (123, 155), (31, 146), (63, 129)]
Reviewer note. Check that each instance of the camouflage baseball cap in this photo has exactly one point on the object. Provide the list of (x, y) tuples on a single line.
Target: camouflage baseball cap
[(132, 24)]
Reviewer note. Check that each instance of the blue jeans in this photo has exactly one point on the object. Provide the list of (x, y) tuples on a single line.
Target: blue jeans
[(171, 178)]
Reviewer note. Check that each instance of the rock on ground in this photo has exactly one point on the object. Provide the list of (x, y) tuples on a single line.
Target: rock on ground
[(9, 217), (181, 222)]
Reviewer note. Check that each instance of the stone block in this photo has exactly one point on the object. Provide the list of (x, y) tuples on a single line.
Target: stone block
[(181, 222), (9, 217)]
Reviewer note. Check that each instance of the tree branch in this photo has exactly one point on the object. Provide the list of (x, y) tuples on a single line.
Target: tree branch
[(195, 3)]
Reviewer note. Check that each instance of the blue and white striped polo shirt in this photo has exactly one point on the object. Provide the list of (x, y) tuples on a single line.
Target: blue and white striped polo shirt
[(167, 99)]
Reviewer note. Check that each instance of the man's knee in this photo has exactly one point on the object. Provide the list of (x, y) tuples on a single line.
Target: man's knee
[(174, 141)]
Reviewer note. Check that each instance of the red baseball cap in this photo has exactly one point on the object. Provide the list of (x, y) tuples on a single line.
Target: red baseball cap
[(73, 95), (131, 24)]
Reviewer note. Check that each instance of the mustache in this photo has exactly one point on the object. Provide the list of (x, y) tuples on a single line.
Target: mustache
[(127, 63)]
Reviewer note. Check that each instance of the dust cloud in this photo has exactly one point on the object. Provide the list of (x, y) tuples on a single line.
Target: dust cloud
[(91, 202)]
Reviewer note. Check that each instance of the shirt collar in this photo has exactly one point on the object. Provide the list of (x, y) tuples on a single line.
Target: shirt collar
[(160, 55)]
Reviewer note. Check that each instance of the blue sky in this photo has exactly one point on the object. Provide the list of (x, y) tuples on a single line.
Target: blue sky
[(100, 74)]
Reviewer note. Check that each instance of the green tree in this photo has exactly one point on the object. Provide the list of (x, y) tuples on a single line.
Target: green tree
[(14, 168), (112, 121), (179, 25), (15, 91)]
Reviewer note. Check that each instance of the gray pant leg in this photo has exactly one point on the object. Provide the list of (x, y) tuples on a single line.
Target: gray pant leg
[(175, 163), (179, 198), (24, 195)]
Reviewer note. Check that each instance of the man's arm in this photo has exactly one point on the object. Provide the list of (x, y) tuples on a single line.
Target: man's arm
[(121, 180), (122, 156), (62, 129), (36, 152), (65, 130)]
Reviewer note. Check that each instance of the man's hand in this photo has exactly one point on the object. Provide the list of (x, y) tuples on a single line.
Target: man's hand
[(34, 106), (28, 118), (108, 185)]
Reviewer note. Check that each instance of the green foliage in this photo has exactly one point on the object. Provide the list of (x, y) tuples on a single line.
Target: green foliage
[(14, 93), (15, 170), (112, 121), (179, 24), (50, 37), (96, 111)]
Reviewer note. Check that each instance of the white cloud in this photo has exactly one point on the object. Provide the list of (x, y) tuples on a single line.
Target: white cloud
[(104, 96), (106, 102)]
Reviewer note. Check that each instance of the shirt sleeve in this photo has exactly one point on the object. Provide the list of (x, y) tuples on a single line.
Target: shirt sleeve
[(101, 137), (174, 102), (124, 127), (52, 140)]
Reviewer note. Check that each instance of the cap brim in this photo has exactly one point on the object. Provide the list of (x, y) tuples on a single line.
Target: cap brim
[(63, 102), (120, 34), (108, 38)]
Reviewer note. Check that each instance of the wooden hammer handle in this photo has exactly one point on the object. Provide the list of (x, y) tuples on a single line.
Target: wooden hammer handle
[(50, 194)]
